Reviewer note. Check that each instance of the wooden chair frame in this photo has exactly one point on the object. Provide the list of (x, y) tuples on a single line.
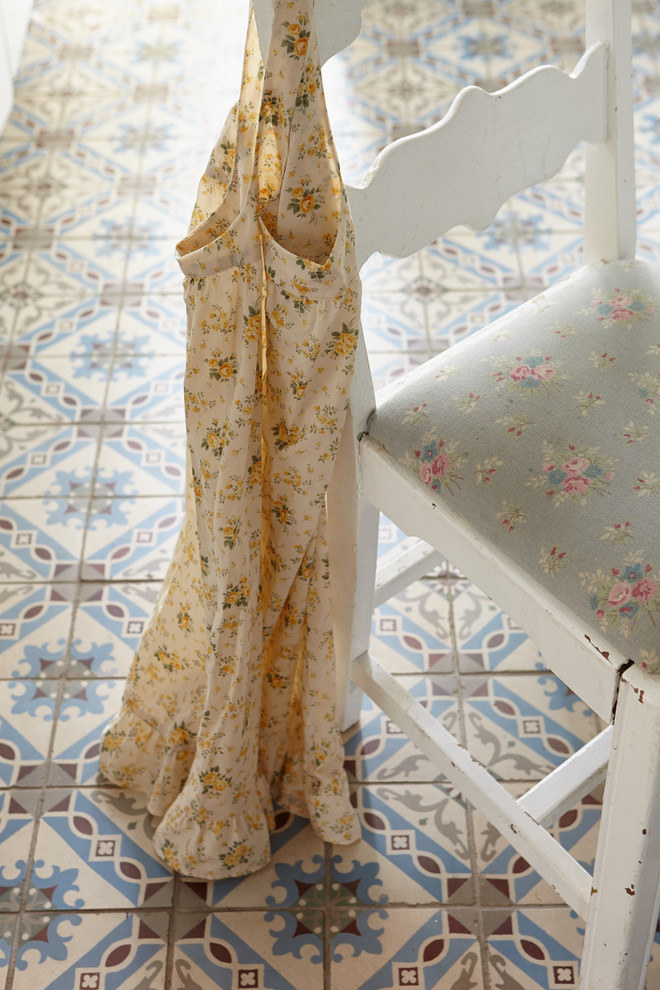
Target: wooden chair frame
[(621, 901)]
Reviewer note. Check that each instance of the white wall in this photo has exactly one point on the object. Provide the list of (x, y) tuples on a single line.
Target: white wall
[(14, 16)]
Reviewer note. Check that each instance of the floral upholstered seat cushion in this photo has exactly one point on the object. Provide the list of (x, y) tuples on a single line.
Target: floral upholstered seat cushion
[(543, 431)]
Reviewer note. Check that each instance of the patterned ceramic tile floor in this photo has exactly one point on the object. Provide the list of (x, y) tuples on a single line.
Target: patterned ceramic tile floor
[(116, 107)]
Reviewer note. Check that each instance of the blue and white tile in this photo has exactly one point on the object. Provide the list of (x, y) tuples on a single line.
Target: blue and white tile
[(276, 950), (166, 213), (78, 170), (414, 847), (26, 726), (549, 257), (384, 274), (97, 950), (540, 949), (52, 272), (109, 622), (41, 539), (407, 19), (393, 321), (34, 630), (193, 105), (86, 707), (24, 179), (100, 113), (15, 292), (413, 630), (505, 877), (378, 751), (53, 390), (295, 877), (94, 850), (18, 813), (487, 639), (153, 324), (466, 260), (80, 23), (96, 214), (151, 262), (47, 460), (453, 315), (146, 389), (142, 460), (558, 20), (39, 89), (131, 539), (648, 245), (536, 949), (76, 265), (399, 947), (556, 206), (524, 725), (493, 52), (60, 326)]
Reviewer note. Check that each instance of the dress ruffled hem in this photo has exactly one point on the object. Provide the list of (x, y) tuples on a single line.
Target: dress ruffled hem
[(197, 839), (131, 747)]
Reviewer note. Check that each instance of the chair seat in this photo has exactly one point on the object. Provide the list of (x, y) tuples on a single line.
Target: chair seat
[(543, 431)]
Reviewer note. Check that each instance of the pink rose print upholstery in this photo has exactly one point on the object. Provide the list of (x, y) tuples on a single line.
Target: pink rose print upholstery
[(542, 463)]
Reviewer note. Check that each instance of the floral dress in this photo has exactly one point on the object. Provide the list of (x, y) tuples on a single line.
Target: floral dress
[(229, 706)]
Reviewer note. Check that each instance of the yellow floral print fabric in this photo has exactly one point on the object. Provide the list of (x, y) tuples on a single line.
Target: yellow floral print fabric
[(229, 706)]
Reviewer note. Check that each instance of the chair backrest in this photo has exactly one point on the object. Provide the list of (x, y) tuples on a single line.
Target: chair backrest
[(490, 146)]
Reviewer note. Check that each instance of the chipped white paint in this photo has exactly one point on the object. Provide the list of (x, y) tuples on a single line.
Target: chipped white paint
[(457, 179), (477, 785), (626, 884)]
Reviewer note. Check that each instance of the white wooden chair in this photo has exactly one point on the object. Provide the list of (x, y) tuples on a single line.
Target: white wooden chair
[(560, 473)]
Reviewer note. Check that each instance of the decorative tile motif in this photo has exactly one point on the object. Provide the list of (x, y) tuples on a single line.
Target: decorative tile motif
[(26, 726), (147, 389), (413, 630), (487, 639), (377, 750), (464, 260), (96, 950), (506, 880), (130, 539), (523, 726), (41, 539), (402, 948), (272, 951), (55, 390), (541, 945), (142, 460), (17, 816), (85, 709), (46, 460), (393, 321), (414, 847), (109, 622), (34, 629), (150, 324), (64, 326), (94, 851), (455, 315)]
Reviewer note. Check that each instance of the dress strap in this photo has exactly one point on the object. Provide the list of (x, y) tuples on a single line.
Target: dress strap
[(266, 111)]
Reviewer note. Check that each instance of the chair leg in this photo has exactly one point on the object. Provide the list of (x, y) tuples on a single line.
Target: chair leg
[(626, 889), (353, 539)]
